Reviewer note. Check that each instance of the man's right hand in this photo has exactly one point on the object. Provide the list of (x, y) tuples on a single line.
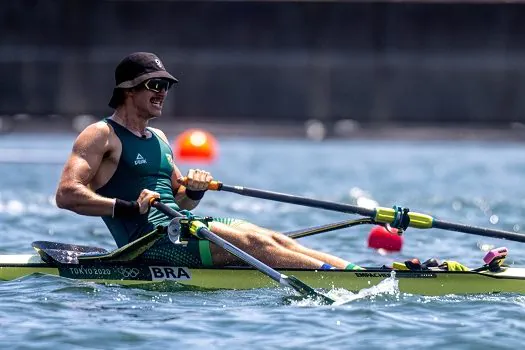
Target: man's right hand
[(145, 198)]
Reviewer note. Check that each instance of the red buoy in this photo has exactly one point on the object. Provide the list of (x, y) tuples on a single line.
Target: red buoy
[(195, 145), (382, 238)]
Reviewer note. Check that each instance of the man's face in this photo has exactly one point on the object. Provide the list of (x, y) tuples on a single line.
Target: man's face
[(149, 97)]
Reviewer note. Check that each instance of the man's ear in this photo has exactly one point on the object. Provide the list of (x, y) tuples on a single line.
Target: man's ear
[(129, 92), (134, 90)]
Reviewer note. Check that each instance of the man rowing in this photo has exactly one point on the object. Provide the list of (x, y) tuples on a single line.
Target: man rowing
[(119, 164)]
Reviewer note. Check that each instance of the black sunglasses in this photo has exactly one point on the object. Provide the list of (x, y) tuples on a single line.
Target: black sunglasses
[(157, 85)]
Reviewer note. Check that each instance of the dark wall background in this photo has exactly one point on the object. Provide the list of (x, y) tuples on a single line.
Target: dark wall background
[(272, 61)]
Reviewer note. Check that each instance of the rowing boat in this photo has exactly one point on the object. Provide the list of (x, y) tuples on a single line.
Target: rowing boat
[(124, 266), (154, 276), (437, 282)]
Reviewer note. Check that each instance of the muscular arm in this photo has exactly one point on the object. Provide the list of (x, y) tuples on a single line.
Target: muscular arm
[(73, 191), (179, 191)]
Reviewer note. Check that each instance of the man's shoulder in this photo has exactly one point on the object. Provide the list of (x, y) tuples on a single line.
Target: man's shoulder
[(159, 132), (99, 130), (99, 127)]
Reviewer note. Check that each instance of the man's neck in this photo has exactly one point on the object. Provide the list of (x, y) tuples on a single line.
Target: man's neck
[(130, 121)]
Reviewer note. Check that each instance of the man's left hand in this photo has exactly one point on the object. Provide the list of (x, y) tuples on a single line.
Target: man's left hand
[(198, 180)]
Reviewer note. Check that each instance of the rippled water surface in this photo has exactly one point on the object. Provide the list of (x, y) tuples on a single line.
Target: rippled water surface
[(473, 183)]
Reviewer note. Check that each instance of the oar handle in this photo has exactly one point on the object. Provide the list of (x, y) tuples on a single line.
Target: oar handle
[(163, 208), (213, 186)]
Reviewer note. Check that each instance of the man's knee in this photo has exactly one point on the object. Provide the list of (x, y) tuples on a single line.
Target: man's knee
[(260, 241), (284, 240)]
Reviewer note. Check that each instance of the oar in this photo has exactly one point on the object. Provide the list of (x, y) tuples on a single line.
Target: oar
[(198, 229), (379, 214), (61, 253), (327, 228)]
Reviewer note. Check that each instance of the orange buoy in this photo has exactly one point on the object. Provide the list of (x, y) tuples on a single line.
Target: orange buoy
[(195, 145), (382, 238)]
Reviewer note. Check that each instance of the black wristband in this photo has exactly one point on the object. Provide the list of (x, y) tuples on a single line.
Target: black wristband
[(194, 195), (125, 209)]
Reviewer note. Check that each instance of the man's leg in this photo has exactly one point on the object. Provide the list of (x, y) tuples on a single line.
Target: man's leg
[(294, 245), (262, 246)]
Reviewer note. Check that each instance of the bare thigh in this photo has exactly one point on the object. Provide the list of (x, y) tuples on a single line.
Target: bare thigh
[(290, 244), (259, 243), (277, 236), (232, 234), (253, 240)]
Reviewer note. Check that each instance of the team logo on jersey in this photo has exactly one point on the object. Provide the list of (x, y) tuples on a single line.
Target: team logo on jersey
[(170, 159), (140, 159)]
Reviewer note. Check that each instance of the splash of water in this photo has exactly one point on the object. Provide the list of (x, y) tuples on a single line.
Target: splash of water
[(389, 286)]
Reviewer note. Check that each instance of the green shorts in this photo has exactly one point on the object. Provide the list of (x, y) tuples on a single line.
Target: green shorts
[(196, 252)]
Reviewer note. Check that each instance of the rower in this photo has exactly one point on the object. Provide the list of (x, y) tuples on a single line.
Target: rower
[(119, 164)]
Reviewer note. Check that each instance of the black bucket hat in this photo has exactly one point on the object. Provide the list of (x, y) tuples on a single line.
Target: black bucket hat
[(135, 69)]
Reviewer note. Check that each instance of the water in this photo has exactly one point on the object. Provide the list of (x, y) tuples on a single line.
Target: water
[(470, 182)]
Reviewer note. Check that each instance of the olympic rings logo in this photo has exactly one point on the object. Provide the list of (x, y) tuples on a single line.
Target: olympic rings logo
[(128, 272)]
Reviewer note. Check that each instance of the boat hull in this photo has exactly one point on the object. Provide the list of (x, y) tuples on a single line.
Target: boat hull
[(510, 280)]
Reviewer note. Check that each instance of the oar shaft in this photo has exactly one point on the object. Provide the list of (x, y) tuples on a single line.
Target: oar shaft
[(273, 274), (308, 202), (480, 231), (379, 215)]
